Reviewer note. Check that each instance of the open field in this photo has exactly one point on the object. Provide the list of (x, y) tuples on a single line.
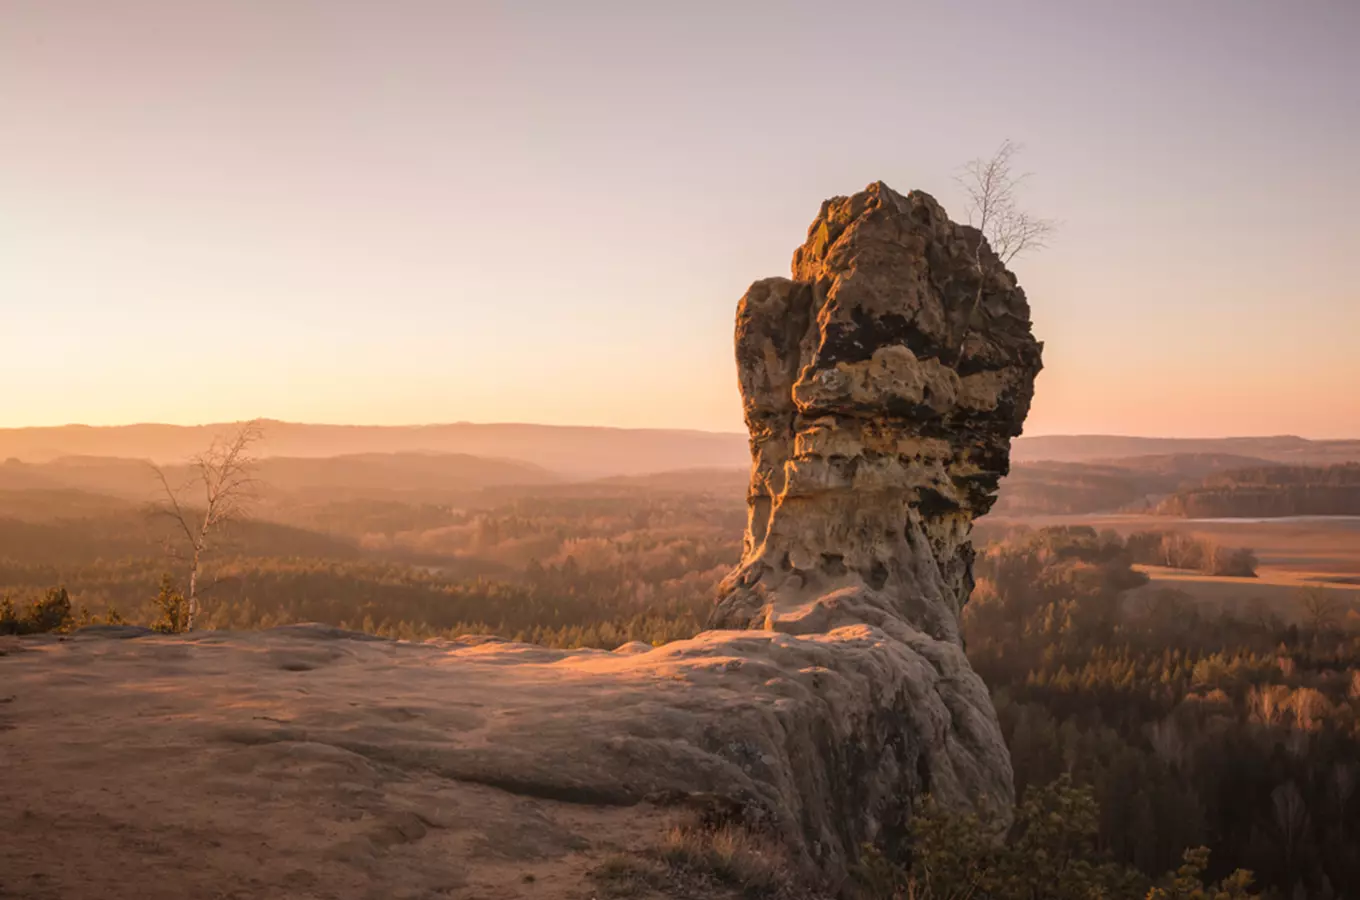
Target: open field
[(1326, 548), (1294, 553), (1276, 591)]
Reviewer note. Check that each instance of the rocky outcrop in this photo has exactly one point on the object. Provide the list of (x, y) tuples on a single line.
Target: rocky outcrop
[(882, 385), (228, 763)]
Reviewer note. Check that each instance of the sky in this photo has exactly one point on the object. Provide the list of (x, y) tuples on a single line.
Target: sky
[(417, 211)]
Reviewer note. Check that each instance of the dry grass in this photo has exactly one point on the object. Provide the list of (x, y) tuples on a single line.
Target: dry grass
[(731, 855), (694, 860)]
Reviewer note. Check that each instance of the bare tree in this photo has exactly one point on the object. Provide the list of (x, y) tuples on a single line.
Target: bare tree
[(223, 475), (991, 186), (1320, 608)]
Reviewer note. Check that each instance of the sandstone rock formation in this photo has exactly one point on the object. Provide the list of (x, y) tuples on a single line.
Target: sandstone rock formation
[(882, 386)]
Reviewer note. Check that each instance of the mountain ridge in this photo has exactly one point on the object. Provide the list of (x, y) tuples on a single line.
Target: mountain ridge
[(591, 451)]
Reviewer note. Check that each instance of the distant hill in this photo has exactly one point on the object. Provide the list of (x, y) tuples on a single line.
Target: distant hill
[(585, 452), (130, 479), (732, 480), (47, 505), (574, 452), (429, 477), (1271, 491), (1092, 448), (1135, 483)]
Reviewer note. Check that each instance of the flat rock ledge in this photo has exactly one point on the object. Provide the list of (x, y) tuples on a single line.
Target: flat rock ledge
[(309, 762)]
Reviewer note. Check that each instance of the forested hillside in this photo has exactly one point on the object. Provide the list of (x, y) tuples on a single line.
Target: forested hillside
[(575, 452), (1191, 728), (1283, 449), (1270, 491), (1134, 484), (1241, 734), (567, 565)]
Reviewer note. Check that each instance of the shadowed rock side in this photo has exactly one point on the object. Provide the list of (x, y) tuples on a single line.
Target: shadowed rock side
[(882, 385)]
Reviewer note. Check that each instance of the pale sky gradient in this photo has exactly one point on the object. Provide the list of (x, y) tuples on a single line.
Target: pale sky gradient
[(405, 211)]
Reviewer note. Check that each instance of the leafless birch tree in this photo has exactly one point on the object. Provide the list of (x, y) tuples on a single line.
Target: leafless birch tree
[(990, 186), (218, 490)]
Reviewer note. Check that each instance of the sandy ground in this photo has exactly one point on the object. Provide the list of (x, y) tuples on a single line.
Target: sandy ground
[(258, 776)]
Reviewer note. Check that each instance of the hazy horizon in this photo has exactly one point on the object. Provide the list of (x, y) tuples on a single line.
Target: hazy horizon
[(424, 212), (741, 431)]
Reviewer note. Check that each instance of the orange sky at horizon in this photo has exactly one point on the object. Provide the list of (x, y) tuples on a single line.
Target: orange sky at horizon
[(417, 212)]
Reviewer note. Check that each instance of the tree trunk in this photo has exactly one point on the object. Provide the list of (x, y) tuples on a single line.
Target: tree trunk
[(193, 594)]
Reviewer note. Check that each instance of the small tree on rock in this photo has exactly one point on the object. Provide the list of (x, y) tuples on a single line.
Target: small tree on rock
[(222, 477), (990, 186)]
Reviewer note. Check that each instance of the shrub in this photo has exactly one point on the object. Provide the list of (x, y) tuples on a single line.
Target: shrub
[(1052, 851), (729, 854), (51, 613), (173, 608)]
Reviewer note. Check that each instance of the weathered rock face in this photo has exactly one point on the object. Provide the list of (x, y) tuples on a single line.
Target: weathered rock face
[(882, 386)]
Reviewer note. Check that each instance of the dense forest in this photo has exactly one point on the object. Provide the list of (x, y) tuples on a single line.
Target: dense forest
[(1269, 491), (592, 565), (1239, 735), (1175, 728), (1133, 484)]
